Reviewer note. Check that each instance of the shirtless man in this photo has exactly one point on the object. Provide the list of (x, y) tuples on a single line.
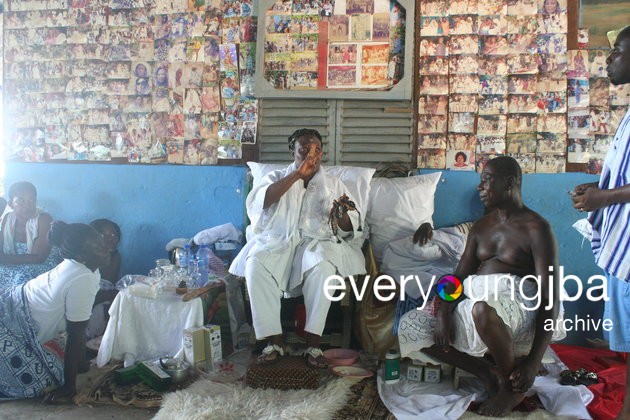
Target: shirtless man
[(510, 238)]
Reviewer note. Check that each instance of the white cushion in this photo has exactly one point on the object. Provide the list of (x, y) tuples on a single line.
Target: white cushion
[(397, 206), (356, 178)]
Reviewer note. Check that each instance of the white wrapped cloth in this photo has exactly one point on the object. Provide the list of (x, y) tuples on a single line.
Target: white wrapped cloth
[(416, 328)]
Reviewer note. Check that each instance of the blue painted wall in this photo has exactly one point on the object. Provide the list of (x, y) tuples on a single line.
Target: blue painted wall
[(154, 204)]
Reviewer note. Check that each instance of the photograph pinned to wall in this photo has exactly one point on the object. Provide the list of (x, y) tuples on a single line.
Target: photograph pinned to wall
[(432, 141), (157, 152), (490, 144), (464, 83), (304, 42), (577, 64), (579, 150), (434, 65), (327, 8), (246, 132), (56, 151), (550, 163), (578, 93), (338, 28), (208, 152), (521, 123), (304, 61), (305, 7), (78, 151), (432, 158), (461, 141), (380, 27), (432, 26), (523, 143), (552, 102), (599, 120), (463, 102), (521, 7), (523, 104), (434, 8), (375, 54), (578, 122), (304, 24), (523, 63), (361, 27), (492, 25), (433, 85), (620, 95), (616, 115), (194, 49), (209, 126), (527, 161), (463, 24), (355, 7), (227, 57), (229, 149), (493, 45), (599, 92), (464, 44), (493, 105), (521, 24), (191, 151), (303, 80), (463, 64), (342, 54), (342, 76), (493, 65), (492, 125), (282, 7), (551, 143), (374, 75), (553, 123), (432, 124), (460, 160), (461, 122), (597, 62), (434, 46)]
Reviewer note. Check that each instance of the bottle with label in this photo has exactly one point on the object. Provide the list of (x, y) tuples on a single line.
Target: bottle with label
[(392, 366)]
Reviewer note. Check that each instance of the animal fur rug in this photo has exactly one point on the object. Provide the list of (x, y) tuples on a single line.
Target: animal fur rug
[(212, 400)]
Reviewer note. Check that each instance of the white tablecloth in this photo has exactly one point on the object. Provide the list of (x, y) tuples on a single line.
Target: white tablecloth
[(142, 329)]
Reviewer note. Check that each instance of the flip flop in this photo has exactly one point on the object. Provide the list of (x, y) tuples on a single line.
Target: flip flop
[(266, 358), (315, 358)]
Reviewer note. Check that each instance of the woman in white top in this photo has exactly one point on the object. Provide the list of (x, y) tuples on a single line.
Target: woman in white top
[(25, 251), (33, 316)]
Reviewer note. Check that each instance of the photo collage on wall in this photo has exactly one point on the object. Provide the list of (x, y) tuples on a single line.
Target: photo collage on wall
[(323, 44), (496, 78), (596, 107), (147, 81)]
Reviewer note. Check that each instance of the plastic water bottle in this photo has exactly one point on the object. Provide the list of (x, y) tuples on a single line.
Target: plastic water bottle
[(203, 258), (184, 257)]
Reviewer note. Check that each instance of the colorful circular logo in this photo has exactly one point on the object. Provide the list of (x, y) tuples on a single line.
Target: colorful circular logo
[(449, 288)]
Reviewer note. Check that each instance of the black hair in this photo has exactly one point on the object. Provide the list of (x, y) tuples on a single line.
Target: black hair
[(507, 166), (462, 154), (71, 238), (303, 132), (21, 186), (99, 224), (624, 33)]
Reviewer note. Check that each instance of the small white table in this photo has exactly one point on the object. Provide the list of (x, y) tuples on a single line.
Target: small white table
[(140, 328)]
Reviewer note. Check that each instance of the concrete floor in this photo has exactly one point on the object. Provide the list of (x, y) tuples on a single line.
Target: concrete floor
[(34, 410)]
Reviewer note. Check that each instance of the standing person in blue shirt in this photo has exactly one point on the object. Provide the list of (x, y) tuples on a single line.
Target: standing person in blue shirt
[(608, 204)]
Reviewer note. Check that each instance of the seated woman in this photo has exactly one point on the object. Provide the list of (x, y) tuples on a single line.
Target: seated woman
[(110, 275), (33, 315), (25, 251)]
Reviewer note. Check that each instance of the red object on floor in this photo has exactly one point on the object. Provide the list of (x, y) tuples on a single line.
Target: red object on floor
[(610, 367)]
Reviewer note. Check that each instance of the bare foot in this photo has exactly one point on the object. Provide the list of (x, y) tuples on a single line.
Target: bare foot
[(491, 381), (501, 404)]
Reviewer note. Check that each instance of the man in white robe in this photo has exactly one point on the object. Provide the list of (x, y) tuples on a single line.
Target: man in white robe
[(291, 248)]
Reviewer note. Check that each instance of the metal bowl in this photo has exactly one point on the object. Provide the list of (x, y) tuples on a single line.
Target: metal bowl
[(178, 369)]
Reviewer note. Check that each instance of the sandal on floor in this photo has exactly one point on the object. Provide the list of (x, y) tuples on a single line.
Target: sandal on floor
[(315, 358), (266, 357)]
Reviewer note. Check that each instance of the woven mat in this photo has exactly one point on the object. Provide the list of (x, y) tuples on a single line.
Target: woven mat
[(103, 389), (364, 403)]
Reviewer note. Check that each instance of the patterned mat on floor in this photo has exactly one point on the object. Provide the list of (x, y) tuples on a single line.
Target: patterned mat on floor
[(364, 403), (103, 389)]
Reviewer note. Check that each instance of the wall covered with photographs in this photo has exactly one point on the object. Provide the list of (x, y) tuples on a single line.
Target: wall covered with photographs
[(138, 81), (495, 77), (352, 44)]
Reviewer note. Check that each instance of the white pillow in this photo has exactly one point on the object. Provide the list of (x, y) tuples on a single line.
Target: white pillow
[(355, 178), (397, 206)]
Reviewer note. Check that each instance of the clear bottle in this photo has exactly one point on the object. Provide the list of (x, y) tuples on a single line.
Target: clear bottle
[(203, 257), (184, 257)]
